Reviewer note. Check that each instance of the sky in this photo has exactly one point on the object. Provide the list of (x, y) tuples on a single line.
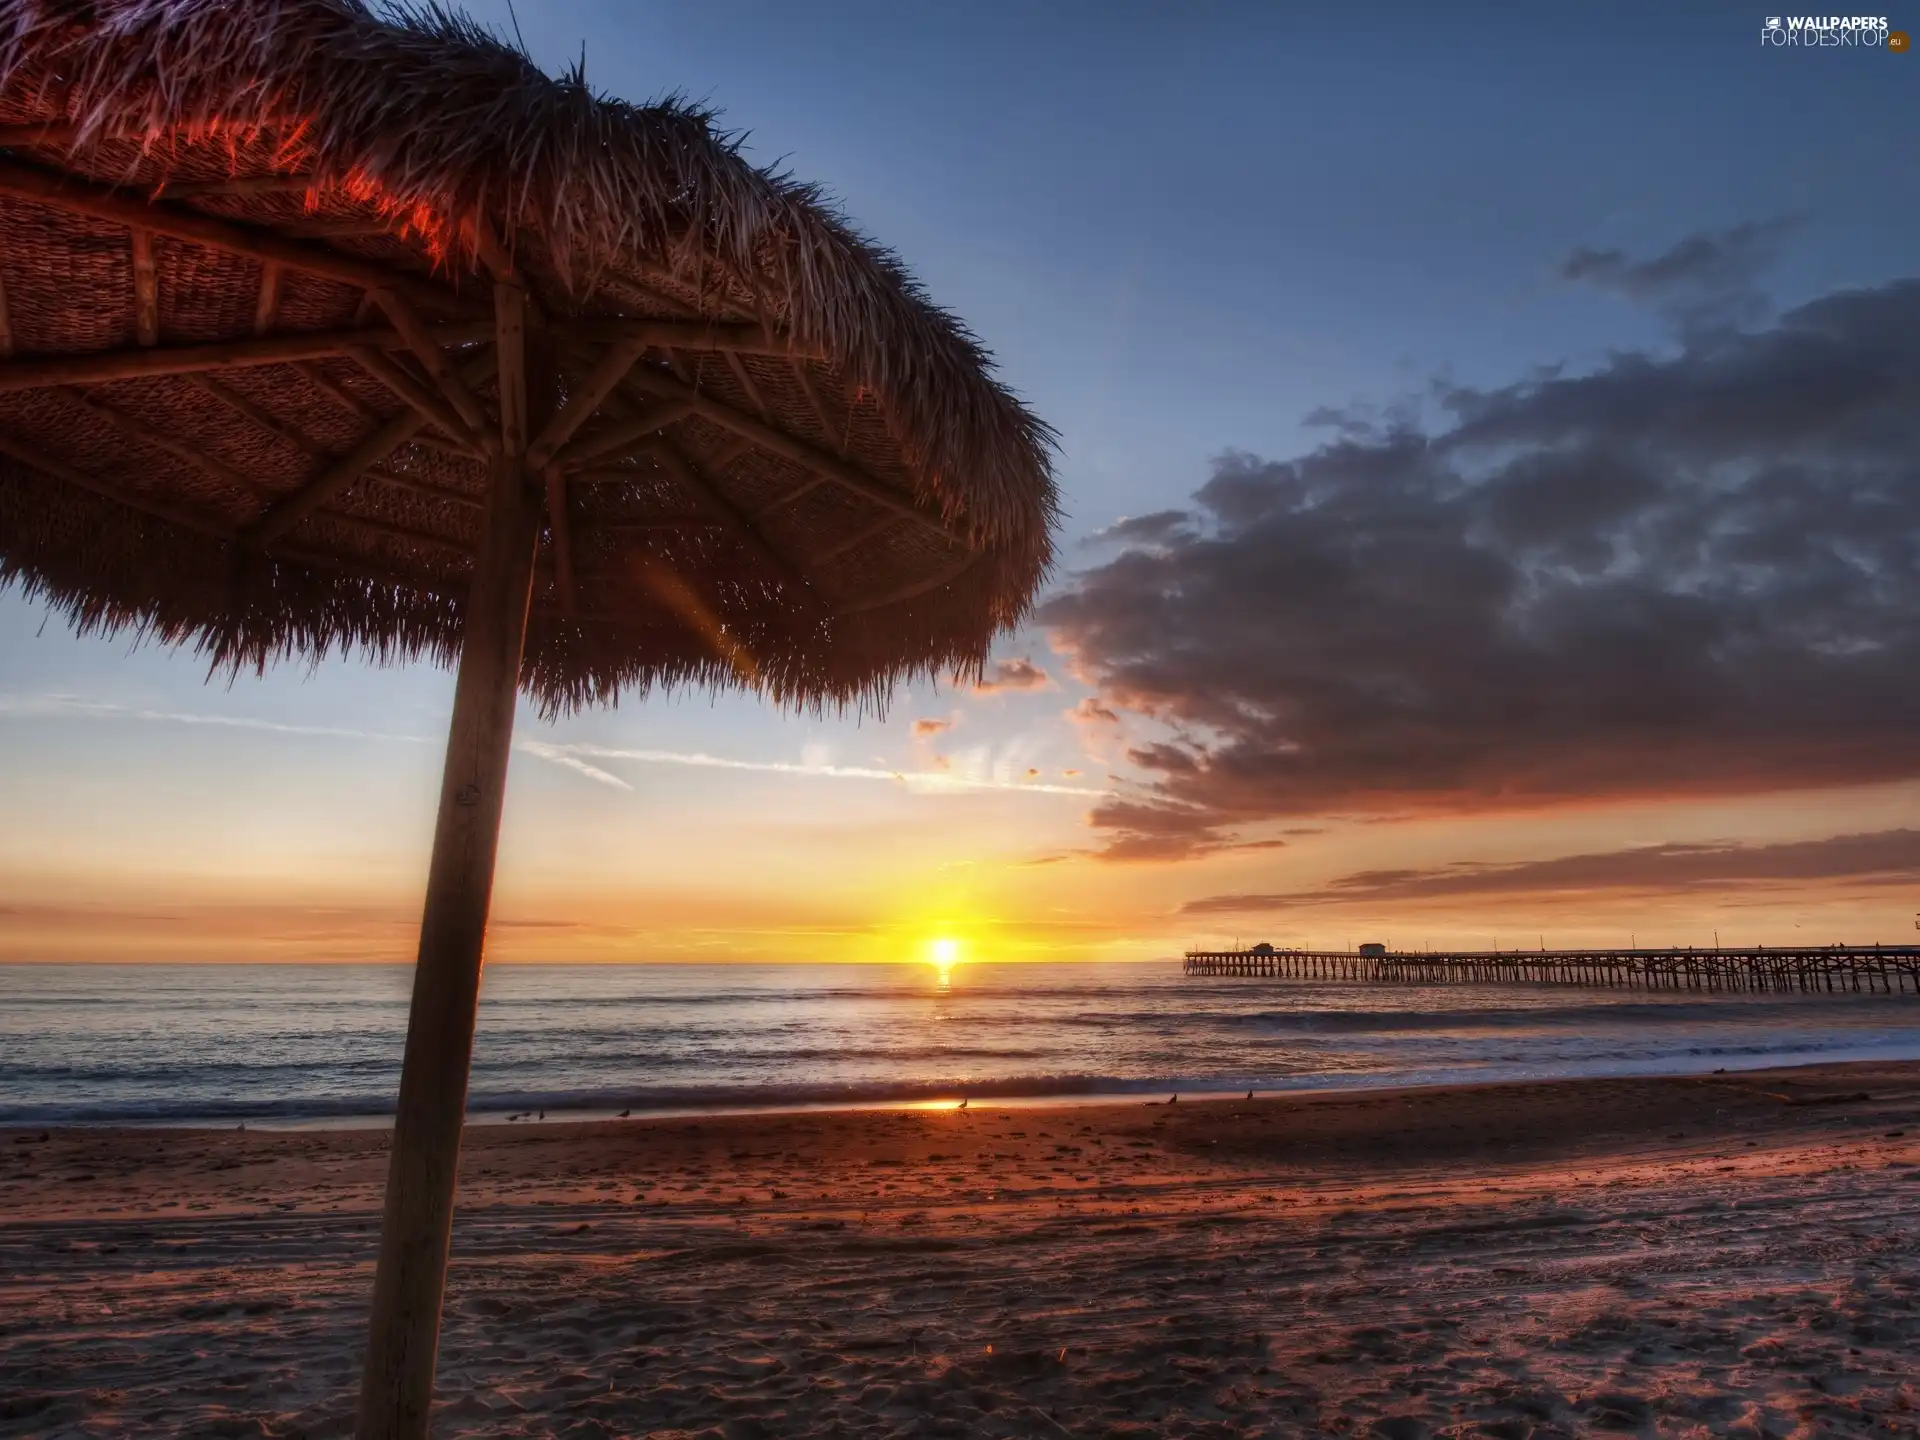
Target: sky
[(1488, 440)]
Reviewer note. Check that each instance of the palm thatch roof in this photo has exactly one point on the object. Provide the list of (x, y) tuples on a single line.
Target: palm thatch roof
[(247, 259)]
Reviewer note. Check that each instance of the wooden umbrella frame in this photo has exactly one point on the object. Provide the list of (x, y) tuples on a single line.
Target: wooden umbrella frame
[(396, 1387)]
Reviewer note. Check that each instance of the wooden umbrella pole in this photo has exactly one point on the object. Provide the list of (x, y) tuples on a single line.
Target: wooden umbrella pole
[(396, 1390)]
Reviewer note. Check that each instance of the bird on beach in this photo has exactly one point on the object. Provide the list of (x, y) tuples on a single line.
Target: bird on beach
[(625, 1113), (963, 1103), (1175, 1100), (1249, 1094)]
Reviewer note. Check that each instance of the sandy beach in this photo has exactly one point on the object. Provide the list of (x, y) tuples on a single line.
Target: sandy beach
[(1720, 1255)]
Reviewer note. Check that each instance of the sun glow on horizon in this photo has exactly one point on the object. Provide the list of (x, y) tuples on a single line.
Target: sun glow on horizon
[(943, 953)]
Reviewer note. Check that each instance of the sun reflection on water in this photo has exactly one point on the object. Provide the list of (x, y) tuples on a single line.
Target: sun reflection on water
[(943, 954)]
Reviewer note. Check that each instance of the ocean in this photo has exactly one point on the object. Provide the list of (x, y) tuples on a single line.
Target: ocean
[(308, 1044)]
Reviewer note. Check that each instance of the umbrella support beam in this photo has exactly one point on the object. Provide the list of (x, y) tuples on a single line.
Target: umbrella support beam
[(397, 1385)]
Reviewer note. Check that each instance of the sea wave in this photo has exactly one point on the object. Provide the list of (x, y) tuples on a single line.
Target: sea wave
[(483, 1103), (492, 1102), (1669, 1015)]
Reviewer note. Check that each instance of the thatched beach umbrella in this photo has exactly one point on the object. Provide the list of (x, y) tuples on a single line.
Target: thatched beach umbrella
[(325, 330)]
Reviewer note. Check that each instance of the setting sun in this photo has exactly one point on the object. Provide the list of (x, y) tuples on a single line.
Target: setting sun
[(943, 954)]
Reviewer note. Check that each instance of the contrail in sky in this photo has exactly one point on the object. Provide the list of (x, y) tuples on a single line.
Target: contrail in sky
[(575, 757), (930, 781), (43, 707)]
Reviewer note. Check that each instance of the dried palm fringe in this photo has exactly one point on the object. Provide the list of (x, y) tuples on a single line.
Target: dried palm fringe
[(107, 569)]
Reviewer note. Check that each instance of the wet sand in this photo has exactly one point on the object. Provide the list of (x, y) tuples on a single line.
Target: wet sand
[(1721, 1255)]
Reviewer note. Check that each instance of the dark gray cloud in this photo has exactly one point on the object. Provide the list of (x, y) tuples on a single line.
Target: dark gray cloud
[(1705, 280), (1703, 261), (1885, 857), (1690, 575), (1143, 529), (1144, 830)]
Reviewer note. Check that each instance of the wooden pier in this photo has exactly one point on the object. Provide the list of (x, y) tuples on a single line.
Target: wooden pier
[(1877, 969)]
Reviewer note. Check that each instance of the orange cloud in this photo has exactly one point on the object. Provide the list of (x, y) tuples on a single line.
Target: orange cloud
[(1091, 712), (1014, 675), (1878, 858)]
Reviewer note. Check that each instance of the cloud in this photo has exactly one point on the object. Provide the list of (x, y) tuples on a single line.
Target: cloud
[(1706, 279), (1882, 857), (1151, 830), (926, 729), (1688, 576), (1014, 675), (1154, 529), (1091, 712)]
